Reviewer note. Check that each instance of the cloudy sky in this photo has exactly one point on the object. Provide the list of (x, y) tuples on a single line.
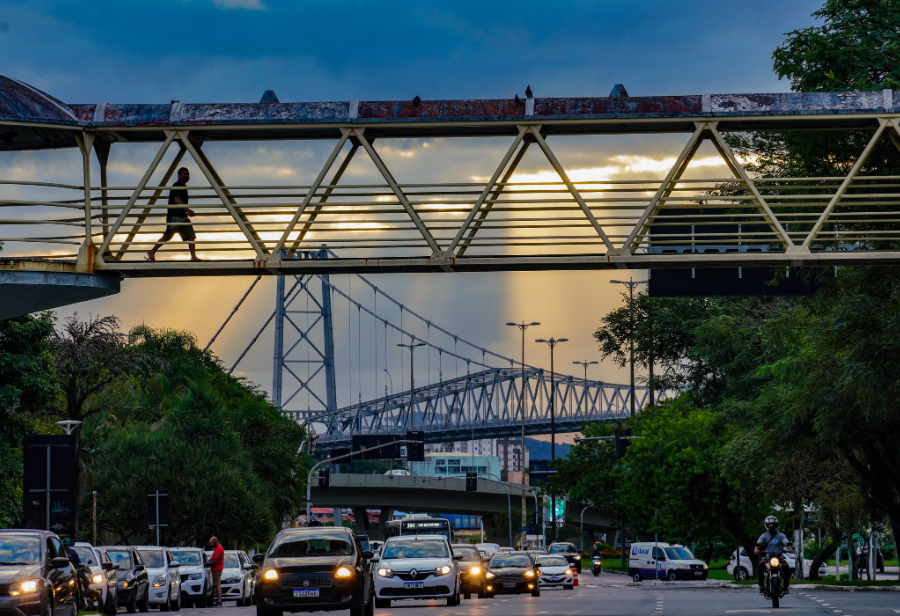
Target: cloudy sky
[(233, 50)]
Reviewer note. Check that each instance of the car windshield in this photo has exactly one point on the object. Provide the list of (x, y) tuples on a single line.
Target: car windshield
[(153, 559), (552, 561), (311, 545), (86, 555), (679, 554), (468, 553), (556, 549), (188, 558), (121, 558), (231, 561), (511, 560), (19, 550), (415, 549)]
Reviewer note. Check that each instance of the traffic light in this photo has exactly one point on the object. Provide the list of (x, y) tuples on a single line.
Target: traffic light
[(471, 482), (622, 441), (415, 452), (324, 478)]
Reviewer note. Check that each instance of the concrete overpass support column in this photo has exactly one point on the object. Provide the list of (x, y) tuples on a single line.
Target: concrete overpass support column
[(362, 520), (338, 516), (377, 533)]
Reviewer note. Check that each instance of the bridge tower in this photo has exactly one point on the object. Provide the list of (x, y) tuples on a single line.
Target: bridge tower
[(304, 339)]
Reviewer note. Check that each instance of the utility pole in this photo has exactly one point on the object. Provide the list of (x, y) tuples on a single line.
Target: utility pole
[(524, 536), (552, 342), (631, 284), (412, 384)]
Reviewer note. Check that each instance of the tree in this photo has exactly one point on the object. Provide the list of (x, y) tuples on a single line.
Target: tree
[(27, 390)]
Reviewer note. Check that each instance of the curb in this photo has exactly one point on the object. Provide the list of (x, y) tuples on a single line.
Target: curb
[(820, 587)]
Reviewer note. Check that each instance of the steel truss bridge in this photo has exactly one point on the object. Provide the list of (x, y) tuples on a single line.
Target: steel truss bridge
[(485, 404), (498, 223)]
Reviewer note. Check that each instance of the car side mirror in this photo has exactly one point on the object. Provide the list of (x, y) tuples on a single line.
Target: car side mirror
[(107, 566), (368, 554), (139, 568), (249, 566), (660, 558), (60, 562), (258, 558), (376, 558), (207, 564), (175, 564), (457, 557)]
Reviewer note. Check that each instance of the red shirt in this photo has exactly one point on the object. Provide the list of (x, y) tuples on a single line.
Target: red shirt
[(218, 558)]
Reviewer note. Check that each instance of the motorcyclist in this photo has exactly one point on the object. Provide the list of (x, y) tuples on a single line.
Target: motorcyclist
[(773, 543), (595, 552)]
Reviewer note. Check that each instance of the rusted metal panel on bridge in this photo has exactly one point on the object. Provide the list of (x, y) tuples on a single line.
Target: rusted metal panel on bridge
[(19, 101)]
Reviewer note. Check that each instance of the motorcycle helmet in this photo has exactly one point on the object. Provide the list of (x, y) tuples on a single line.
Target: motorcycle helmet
[(771, 524)]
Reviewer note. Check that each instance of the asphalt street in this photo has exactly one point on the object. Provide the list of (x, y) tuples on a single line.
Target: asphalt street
[(614, 595)]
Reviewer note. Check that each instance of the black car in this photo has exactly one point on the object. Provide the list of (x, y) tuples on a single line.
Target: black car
[(36, 577), (569, 551), (471, 570), (134, 581), (314, 569), (512, 573)]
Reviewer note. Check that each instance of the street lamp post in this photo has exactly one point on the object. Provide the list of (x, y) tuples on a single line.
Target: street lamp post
[(552, 342), (412, 373), (522, 327), (584, 364), (385, 383), (631, 284)]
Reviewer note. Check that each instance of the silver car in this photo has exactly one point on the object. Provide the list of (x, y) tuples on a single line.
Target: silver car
[(165, 578), (103, 577), (237, 577)]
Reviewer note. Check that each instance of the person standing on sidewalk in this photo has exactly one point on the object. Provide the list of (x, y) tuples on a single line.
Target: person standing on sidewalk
[(216, 564)]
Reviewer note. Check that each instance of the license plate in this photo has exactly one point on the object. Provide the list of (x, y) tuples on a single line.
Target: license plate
[(414, 585), (509, 584), (306, 592), (698, 573)]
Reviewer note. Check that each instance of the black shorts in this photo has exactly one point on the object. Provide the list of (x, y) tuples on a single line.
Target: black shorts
[(184, 229)]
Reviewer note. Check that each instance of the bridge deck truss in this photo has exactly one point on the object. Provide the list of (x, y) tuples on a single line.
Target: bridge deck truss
[(499, 222), (484, 404)]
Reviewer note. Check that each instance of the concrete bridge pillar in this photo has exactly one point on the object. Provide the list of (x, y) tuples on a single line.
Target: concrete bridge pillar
[(374, 531)]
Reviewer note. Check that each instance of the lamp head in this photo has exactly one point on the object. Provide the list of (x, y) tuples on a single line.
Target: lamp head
[(540, 340), (511, 323), (534, 323), (562, 339), (617, 282)]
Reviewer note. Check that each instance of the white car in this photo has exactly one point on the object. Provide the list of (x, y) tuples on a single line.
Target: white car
[(747, 565), (555, 570), (196, 578), (237, 577), (164, 576), (416, 567), (103, 578)]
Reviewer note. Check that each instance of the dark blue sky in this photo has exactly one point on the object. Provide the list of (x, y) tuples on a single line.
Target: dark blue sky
[(232, 50)]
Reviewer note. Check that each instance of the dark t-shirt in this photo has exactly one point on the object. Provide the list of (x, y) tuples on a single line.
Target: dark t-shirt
[(177, 212)]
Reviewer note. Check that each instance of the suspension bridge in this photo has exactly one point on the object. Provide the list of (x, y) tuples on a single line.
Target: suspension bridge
[(488, 401)]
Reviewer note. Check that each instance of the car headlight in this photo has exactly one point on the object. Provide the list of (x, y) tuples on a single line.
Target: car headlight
[(683, 566), (232, 580), (529, 574), (442, 570), (489, 575), (270, 574), (199, 576), (476, 570), (388, 573), (26, 587), (124, 584), (97, 579), (343, 572), (705, 566), (159, 581), (774, 562), (568, 572)]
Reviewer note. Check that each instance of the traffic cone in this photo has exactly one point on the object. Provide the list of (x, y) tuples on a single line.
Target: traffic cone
[(575, 573)]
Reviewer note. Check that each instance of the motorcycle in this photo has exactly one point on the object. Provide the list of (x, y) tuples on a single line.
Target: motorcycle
[(596, 566), (774, 586), (89, 597)]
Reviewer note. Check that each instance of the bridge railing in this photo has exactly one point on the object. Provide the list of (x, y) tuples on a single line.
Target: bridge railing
[(368, 220)]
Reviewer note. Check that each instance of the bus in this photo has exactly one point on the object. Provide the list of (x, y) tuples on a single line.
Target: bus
[(419, 525)]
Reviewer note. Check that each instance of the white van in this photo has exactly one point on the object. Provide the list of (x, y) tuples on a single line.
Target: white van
[(672, 562)]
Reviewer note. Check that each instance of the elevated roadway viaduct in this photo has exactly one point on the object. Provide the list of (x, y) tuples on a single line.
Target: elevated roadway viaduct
[(411, 493)]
